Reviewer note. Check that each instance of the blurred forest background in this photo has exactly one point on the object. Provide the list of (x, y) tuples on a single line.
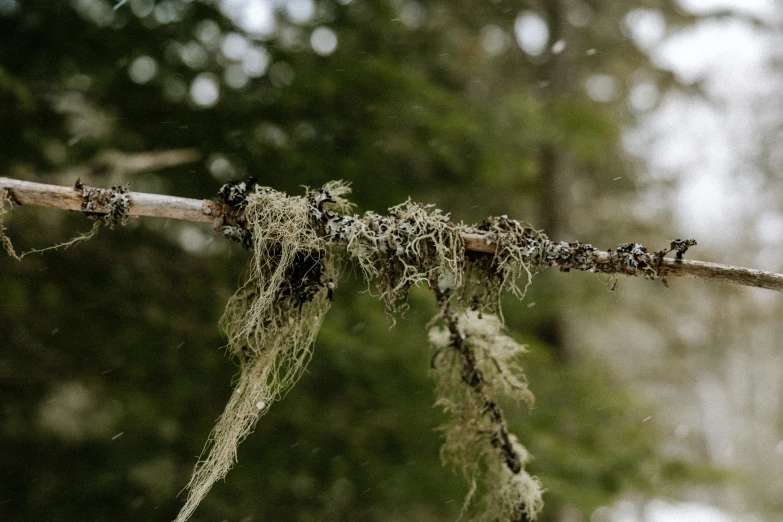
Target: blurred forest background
[(584, 117)]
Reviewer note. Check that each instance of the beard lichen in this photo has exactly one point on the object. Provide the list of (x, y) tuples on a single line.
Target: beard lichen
[(475, 365), (489, 277), (271, 322), (273, 319), (405, 249)]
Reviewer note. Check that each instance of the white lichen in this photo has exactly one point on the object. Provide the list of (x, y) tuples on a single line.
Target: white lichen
[(475, 365), (404, 249)]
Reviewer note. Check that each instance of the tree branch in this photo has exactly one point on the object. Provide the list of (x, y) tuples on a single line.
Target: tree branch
[(207, 211), (141, 204)]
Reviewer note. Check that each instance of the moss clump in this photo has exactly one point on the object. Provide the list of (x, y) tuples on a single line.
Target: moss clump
[(474, 366), (273, 319)]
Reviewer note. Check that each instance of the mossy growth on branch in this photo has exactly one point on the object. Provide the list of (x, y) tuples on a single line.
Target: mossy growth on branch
[(298, 244), (404, 249), (489, 277), (107, 207), (273, 319)]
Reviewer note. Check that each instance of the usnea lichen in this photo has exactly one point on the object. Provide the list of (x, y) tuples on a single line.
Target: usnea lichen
[(404, 248), (474, 366), (488, 277), (273, 319)]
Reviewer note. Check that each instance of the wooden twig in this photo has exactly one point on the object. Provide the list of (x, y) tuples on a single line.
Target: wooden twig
[(141, 204), (207, 211)]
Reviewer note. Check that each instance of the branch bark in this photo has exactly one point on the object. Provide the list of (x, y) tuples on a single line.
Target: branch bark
[(207, 211), (141, 204)]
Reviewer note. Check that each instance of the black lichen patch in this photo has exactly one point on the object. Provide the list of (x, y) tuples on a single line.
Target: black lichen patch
[(235, 193), (233, 225), (109, 206), (681, 246), (306, 279)]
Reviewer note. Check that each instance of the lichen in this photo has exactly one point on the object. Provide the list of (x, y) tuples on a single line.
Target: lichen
[(233, 226), (680, 246), (272, 320), (404, 249), (5, 204), (108, 206), (474, 366), (489, 277)]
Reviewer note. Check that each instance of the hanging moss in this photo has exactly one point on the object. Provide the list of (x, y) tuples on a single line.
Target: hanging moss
[(298, 244), (404, 249), (474, 366), (273, 319), (488, 277)]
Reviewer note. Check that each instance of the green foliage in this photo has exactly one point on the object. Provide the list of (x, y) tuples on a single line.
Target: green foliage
[(579, 461)]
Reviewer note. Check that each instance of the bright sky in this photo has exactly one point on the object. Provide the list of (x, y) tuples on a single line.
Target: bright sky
[(661, 511), (706, 146)]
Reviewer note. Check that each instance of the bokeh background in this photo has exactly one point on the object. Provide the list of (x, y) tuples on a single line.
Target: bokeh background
[(602, 121)]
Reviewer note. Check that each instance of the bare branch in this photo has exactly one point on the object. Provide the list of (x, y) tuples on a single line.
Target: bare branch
[(155, 205), (206, 211)]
